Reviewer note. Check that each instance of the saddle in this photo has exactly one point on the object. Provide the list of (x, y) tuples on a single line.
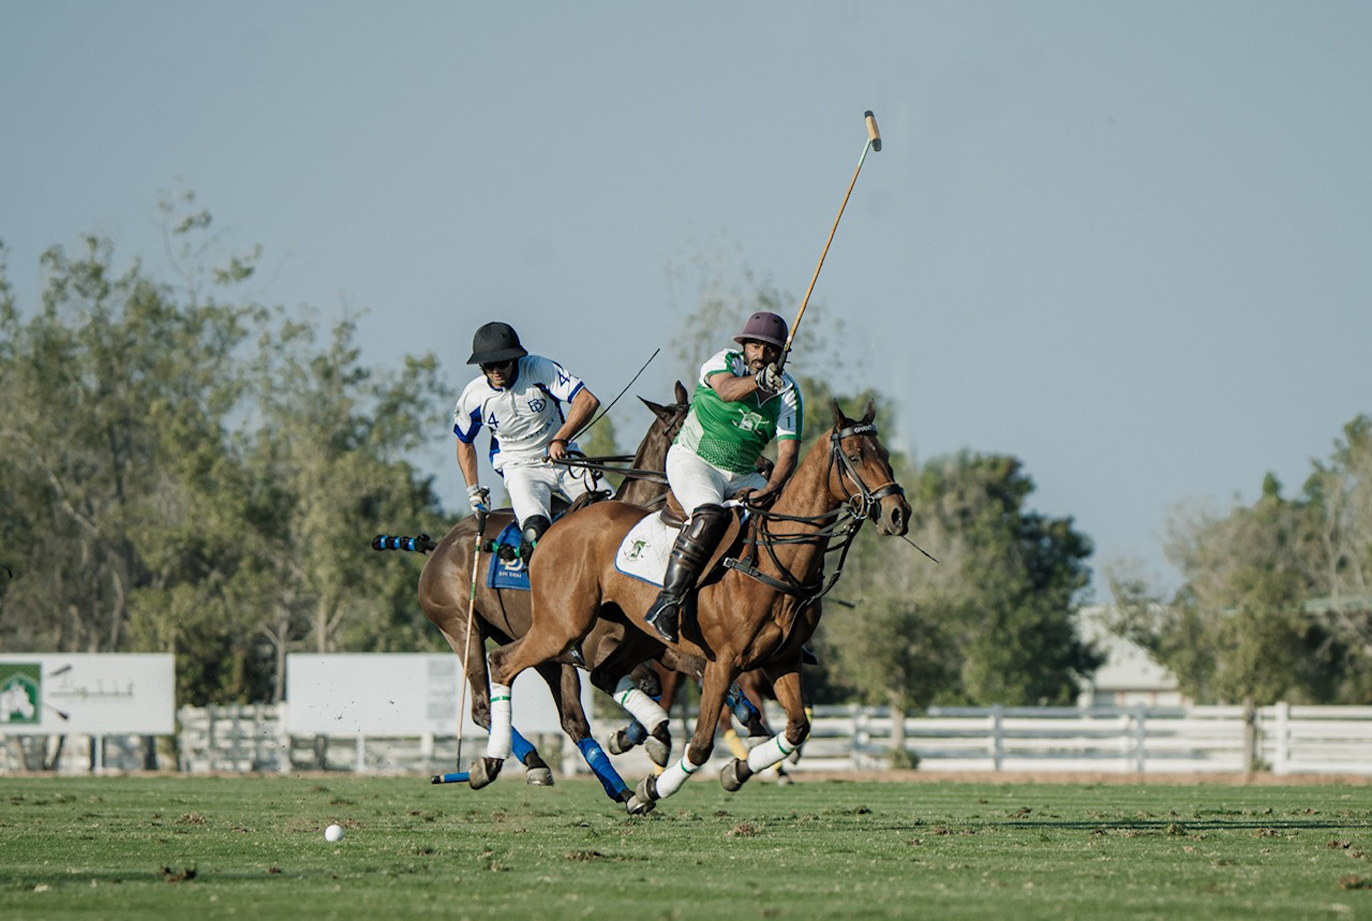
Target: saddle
[(674, 517)]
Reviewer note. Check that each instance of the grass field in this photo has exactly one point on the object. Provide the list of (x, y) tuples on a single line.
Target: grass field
[(198, 847)]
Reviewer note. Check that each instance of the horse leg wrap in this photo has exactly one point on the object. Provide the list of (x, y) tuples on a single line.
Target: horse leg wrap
[(770, 752), (599, 762), (670, 780), (498, 743), (741, 707), (640, 706), (736, 746), (520, 745)]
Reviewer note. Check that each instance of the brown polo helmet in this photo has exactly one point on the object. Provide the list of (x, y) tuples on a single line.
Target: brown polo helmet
[(764, 327)]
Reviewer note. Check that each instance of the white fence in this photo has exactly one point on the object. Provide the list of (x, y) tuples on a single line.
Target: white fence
[(1287, 740)]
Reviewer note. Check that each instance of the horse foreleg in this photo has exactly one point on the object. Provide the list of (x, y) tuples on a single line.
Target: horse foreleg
[(652, 788), (662, 688), (567, 697), (778, 747), (619, 676)]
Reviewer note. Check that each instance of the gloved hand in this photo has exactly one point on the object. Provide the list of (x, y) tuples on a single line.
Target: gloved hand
[(770, 379), (480, 497)]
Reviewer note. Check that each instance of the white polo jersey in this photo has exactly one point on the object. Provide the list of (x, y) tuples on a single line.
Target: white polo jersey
[(522, 418)]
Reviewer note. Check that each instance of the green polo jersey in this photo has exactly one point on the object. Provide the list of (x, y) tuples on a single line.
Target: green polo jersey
[(732, 436)]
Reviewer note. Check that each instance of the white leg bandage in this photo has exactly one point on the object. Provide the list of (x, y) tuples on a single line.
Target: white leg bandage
[(498, 742), (670, 780), (770, 752), (639, 705)]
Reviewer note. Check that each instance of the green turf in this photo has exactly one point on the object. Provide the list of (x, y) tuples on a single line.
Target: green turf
[(199, 847)]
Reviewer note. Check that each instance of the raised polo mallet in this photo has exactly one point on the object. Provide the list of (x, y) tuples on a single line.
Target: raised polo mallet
[(873, 143)]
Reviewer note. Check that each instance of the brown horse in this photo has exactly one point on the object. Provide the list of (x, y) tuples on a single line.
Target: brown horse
[(445, 587), (754, 616)]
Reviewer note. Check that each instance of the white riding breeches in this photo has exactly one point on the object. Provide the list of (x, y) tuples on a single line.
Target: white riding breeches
[(531, 487), (697, 482)]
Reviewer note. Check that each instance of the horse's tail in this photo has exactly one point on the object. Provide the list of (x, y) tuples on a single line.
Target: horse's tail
[(421, 544)]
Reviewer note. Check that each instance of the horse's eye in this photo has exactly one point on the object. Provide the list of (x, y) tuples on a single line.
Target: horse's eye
[(855, 456)]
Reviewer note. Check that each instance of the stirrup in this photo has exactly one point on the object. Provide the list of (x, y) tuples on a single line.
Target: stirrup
[(660, 620)]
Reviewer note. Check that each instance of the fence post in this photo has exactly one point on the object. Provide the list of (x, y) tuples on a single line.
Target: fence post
[(1140, 737), (998, 736), (283, 736), (1283, 731)]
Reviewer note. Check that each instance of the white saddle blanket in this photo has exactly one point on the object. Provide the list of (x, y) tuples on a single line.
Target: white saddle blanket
[(643, 552)]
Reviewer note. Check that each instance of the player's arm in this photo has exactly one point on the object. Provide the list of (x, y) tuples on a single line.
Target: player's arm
[(584, 406), (730, 387)]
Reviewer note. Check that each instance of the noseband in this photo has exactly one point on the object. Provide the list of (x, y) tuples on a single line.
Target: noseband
[(865, 501)]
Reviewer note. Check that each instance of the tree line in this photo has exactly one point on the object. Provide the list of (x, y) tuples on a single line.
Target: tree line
[(1276, 598), (190, 472)]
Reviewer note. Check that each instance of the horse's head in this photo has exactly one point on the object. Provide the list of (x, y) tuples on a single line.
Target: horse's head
[(663, 432), (860, 472)]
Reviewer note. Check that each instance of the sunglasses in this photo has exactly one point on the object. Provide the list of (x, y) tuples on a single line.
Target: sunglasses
[(496, 365)]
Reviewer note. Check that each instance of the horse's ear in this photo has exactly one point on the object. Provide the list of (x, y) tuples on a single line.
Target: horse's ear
[(839, 417), (658, 409), (871, 412), (681, 395)]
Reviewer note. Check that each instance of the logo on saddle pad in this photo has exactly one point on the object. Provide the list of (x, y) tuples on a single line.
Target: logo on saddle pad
[(644, 550)]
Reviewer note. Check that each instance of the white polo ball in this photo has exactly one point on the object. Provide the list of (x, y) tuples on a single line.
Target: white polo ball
[(333, 832)]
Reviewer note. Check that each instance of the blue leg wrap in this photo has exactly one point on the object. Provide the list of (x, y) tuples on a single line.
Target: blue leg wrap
[(635, 733), (741, 706), (602, 768), (519, 744)]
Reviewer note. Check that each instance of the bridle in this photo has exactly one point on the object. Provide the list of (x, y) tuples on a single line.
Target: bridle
[(842, 523), (865, 501)]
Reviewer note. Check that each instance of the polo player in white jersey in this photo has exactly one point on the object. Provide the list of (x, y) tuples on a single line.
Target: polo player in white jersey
[(533, 408), (742, 401)]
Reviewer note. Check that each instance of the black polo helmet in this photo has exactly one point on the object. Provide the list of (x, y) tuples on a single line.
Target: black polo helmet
[(495, 342)]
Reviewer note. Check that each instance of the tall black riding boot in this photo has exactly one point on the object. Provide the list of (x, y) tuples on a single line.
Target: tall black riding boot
[(689, 555)]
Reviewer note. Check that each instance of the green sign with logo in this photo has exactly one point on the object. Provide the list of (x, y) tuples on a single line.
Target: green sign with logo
[(21, 693)]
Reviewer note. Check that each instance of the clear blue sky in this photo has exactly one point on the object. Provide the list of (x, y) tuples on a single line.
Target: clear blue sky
[(1128, 242)]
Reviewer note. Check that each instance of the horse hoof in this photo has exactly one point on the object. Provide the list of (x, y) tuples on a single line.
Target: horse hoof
[(659, 751), (539, 777), (647, 789), (617, 744), (734, 774), (637, 806), (484, 770)]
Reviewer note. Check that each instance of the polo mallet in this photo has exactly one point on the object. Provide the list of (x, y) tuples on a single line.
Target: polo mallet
[(462, 776), (873, 143)]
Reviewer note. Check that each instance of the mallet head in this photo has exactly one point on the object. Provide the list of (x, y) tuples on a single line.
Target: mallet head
[(872, 133)]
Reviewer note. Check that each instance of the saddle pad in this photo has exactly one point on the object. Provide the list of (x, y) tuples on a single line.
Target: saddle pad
[(643, 552), (512, 574)]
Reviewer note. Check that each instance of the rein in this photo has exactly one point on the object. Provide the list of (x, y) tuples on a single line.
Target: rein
[(607, 464)]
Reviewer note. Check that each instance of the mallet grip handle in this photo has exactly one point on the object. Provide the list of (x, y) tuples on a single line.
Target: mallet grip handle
[(872, 133)]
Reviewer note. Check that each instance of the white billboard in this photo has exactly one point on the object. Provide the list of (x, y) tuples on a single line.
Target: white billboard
[(88, 694), (400, 694)]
